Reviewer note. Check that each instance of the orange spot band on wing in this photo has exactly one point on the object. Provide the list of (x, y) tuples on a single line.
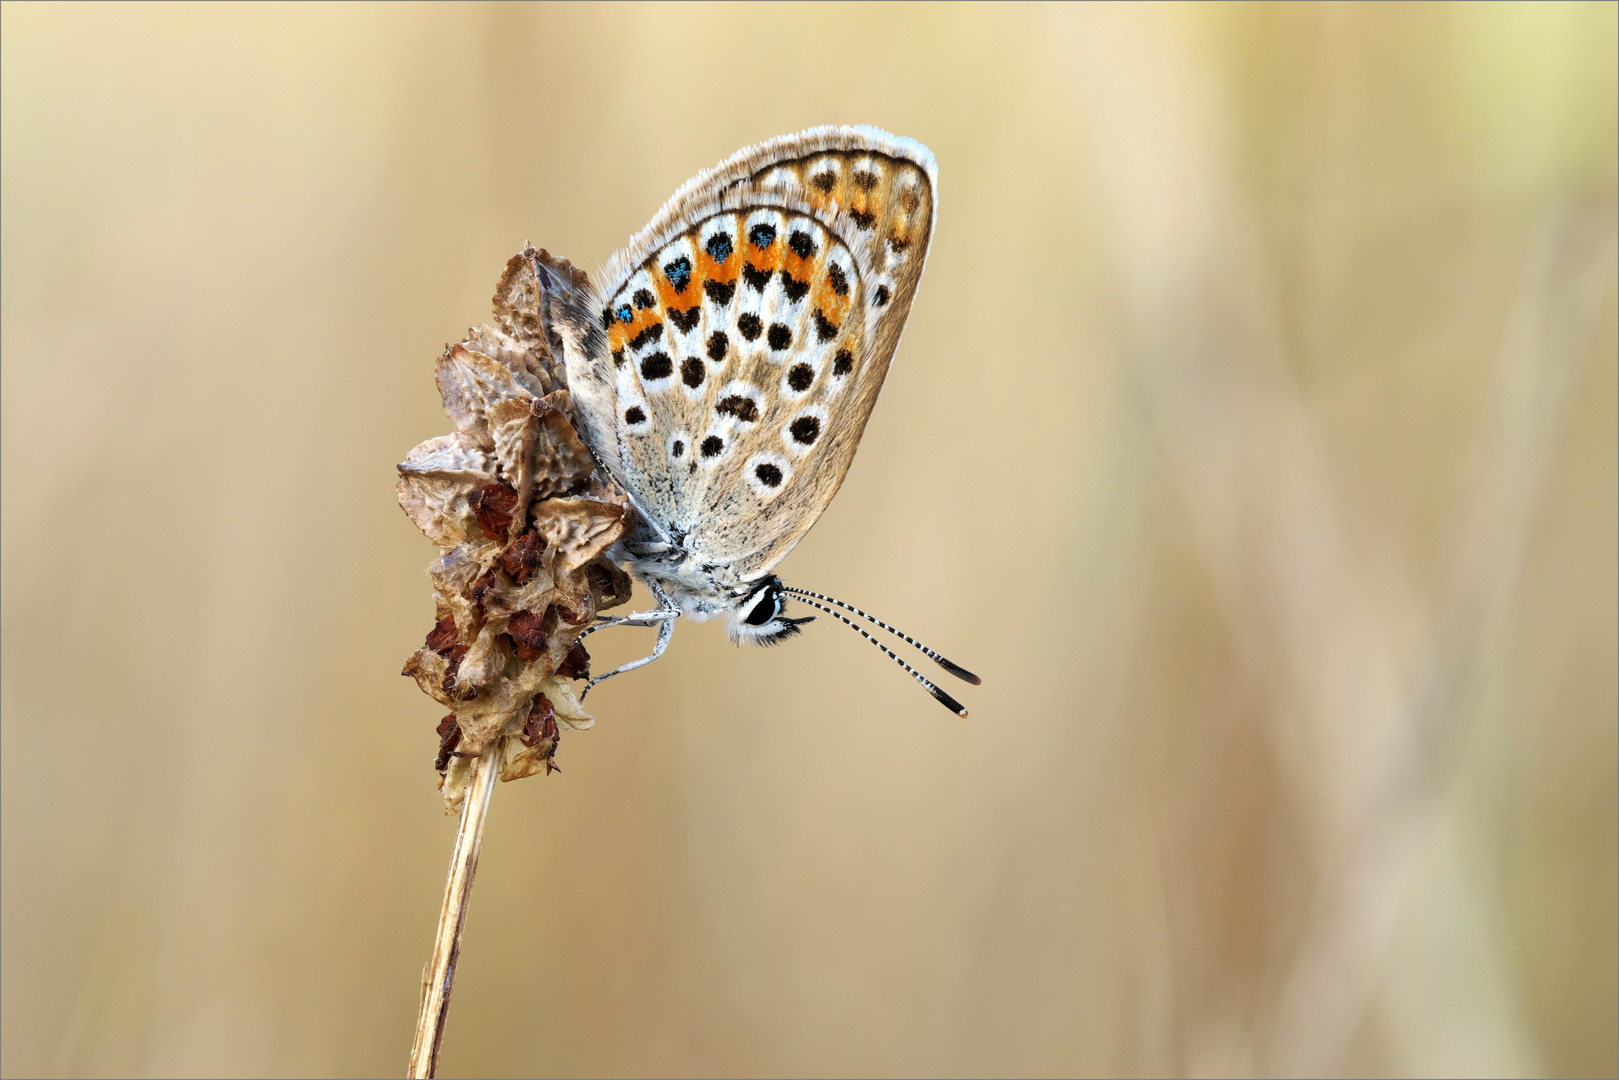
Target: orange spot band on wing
[(644, 318), (767, 258), (830, 304), (680, 301), (795, 264), (709, 270)]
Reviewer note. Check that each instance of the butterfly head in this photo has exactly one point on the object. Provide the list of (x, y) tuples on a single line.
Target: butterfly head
[(759, 619)]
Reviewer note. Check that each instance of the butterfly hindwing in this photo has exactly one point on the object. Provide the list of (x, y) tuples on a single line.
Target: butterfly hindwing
[(748, 331)]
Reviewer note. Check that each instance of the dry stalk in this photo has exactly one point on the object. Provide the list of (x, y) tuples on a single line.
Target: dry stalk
[(523, 523), (439, 975)]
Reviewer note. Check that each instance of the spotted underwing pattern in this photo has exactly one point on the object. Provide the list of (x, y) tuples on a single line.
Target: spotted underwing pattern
[(737, 337), (725, 370)]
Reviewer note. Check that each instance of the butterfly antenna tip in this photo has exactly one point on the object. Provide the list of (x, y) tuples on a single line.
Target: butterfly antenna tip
[(804, 597)]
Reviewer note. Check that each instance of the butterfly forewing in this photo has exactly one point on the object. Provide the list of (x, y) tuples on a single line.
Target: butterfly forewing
[(749, 328)]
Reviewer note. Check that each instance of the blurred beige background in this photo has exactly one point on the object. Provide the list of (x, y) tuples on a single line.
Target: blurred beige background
[(1254, 436)]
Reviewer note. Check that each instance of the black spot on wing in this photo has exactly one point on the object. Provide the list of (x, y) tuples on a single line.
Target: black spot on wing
[(677, 448), (768, 475), (802, 243), (779, 337), (882, 295), (634, 415), (692, 372), (795, 288), (643, 299), (650, 334), (717, 344), (719, 247), (750, 325), (825, 329), (678, 273), (756, 279), (712, 446), (843, 363), (863, 219), (744, 409), (805, 430), (824, 182), (686, 320), (762, 236), (865, 181), (720, 291), (657, 366), (618, 358), (840, 282), (801, 377)]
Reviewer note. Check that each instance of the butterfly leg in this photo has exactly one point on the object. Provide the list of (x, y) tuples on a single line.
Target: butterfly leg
[(664, 616), (636, 618)]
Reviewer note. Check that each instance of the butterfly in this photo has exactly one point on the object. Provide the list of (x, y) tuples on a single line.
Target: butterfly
[(725, 371)]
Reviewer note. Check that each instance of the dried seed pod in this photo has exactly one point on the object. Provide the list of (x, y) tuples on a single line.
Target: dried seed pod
[(577, 530), (471, 383), (434, 481), (560, 461), (517, 303), (524, 520), (522, 556), (495, 506)]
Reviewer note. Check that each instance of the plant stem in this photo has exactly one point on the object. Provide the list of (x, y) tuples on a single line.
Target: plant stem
[(439, 975)]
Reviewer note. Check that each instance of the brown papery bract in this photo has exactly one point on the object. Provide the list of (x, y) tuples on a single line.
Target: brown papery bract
[(513, 501)]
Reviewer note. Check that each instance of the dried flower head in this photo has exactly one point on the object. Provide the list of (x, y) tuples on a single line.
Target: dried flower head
[(513, 498)]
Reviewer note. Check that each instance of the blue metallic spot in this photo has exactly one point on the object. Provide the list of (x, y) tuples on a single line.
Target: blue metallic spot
[(679, 273)]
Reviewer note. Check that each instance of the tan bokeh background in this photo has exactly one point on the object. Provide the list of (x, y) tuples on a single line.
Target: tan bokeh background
[(1254, 436)]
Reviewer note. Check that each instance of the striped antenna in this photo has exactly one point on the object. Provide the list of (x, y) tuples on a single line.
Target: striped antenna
[(955, 669), (939, 695)]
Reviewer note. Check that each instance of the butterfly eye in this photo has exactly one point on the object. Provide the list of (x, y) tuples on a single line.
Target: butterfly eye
[(768, 607)]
